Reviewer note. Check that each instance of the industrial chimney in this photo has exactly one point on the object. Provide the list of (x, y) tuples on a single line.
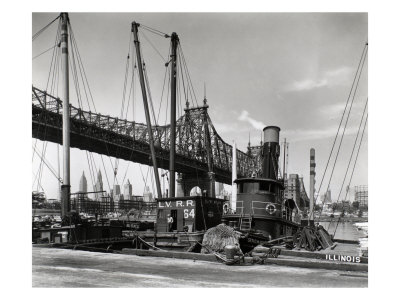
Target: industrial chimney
[(270, 152), (312, 184)]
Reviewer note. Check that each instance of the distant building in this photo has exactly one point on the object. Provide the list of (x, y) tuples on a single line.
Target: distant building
[(292, 190), (326, 198), (116, 189), (116, 196), (147, 195), (128, 191), (83, 184), (99, 186), (361, 195)]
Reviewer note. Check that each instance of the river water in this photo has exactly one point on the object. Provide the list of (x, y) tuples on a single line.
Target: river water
[(344, 231)]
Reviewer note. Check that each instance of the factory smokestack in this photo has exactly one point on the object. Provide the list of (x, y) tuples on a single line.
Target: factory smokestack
[(270, 152), (312, 184)]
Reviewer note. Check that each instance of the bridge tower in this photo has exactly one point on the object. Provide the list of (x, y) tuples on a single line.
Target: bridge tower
[(205, 181)]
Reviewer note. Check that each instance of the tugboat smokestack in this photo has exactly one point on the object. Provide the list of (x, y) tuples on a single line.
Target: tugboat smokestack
[(270, 152)]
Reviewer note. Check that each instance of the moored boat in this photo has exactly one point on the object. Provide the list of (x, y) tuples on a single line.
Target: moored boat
[(262, 213)]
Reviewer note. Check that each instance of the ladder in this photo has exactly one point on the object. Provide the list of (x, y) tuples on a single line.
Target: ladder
[(245, 223)]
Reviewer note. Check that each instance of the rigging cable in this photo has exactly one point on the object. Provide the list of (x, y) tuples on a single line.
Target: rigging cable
[(155, 31), (48, 165), (358, 74), (44, 28), (116, 161), (151, 44), (132, 92), (83, 75), (162, 92), (352, 151), (340, 124), (355, 162), (344, 129), (52, 70), (187, 72), (188, 91), (52, 47)]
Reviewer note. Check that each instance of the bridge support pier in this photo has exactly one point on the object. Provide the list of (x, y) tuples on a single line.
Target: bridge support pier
[(205, 181)]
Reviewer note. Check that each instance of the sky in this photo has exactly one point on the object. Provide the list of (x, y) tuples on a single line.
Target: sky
[(292, 70)]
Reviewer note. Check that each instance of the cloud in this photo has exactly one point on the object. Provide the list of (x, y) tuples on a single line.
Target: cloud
[(308, 84), (342, 71), (329, 78), (244, 116)]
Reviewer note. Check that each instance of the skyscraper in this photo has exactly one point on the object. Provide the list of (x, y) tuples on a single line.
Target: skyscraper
[(116, 196), (147, 195), (83, 184), (99, 185), (116, 189), (128, 191)]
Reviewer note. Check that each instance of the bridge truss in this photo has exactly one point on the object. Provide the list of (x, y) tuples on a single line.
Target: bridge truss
[(199, 148)]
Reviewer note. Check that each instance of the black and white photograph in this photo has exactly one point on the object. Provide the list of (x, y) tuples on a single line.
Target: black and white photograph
[(229, 148), (202, 140)]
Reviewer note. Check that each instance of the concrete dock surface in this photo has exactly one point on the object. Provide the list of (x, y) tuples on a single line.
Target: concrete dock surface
[(68, 268)]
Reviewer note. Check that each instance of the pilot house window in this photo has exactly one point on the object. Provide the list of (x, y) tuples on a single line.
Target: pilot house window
[(265, 186), (249, 187)]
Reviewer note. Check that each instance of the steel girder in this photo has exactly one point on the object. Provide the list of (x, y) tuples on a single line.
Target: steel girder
[(199, 148)]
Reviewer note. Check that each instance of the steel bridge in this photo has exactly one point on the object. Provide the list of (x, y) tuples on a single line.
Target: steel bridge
[(199, 148)]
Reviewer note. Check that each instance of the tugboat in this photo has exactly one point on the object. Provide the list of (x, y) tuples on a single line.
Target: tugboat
[(262, 214)]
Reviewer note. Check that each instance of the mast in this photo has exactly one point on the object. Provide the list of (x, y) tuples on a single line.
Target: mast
[(146, 106), (234, 176), (284, 161), (174, 45), (312, 185), (66, 187)]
